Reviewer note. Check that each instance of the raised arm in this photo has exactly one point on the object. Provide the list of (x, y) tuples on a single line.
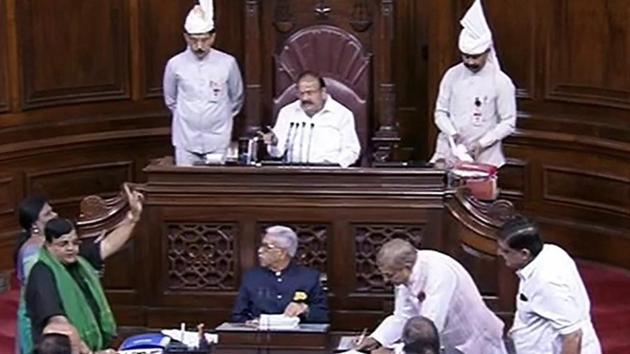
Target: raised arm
[(117, 238)]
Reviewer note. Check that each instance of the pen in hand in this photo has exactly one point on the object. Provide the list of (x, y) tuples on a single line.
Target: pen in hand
[(361, 337)]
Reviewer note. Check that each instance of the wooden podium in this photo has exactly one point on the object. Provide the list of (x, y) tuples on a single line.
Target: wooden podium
[(201, 227)]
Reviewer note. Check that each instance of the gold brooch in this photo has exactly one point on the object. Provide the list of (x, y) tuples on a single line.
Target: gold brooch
[(299, 296)]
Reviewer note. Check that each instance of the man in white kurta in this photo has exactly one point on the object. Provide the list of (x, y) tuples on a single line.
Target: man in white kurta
[(204, 91), (476, 104), (552, 305), (315, 128), (440, 289)]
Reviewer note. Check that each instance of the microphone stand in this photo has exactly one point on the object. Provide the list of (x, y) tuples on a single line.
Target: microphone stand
[(302, 142), (292, 143), (287, 141), (310, 138)]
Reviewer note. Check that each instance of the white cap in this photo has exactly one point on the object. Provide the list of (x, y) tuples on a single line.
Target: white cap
[(475, 37), (200, 18)]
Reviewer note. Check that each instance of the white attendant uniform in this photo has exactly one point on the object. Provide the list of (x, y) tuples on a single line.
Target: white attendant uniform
[(327, 137), (479, 107), (551, 302), (441, 289), (203, 95)]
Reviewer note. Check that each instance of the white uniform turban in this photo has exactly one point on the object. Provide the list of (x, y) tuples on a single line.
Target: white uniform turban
[(200, 18), (476, 36)]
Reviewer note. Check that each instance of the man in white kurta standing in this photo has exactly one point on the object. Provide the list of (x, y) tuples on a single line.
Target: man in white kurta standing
[(204, 91), (552, 305), (434, 285), (315, 128), (476, 104)]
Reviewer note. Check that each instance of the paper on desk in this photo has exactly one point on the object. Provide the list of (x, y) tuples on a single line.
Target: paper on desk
[(278, 322), (189, 338), (346, 343)]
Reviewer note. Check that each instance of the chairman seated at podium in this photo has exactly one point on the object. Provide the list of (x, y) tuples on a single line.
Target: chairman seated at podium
[(315, 128), (279, 285)]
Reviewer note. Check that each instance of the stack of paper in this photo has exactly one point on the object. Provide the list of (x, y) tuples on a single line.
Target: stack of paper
[(277, 322)]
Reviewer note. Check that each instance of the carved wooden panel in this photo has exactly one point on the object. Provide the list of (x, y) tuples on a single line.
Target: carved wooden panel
[(66, 186), (517, 58), (512, 178), (587, 189), (368, 241), (7, 195), (162, 37), (588, 48), (4, 52), (312, 243), (201, 256), (80, 56)]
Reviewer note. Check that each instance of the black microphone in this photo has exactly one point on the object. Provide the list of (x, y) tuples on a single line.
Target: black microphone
[(302, 142), (292, 143), (310, 138), (287, 141)]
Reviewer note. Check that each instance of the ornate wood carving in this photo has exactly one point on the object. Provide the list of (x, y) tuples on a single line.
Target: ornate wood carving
[(283, 17), (386, 138), (368, 240), (71, 64), (490, 213), (322, 10), (253, 68), (361, 17), (201, 256)]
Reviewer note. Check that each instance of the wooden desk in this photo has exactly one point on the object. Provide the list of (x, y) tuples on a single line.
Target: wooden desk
[(201, 227), (308, 339)]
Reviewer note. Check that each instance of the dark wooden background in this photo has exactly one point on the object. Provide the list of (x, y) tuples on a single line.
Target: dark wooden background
[(81, 108)]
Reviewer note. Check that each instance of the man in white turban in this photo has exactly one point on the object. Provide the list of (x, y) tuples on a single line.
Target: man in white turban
[(204, 91), (476, 105)]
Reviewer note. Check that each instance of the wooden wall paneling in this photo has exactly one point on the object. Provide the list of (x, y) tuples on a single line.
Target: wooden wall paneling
[(4, 58), (443, 29), (162, 28), (410, 63), (588, 47), (9, 196), (68, 185), (514, 30), (82, 56), (587, 189), (513, 179)]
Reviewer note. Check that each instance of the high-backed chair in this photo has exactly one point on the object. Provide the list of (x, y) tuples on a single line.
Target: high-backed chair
[(337, 56), (348, 44)]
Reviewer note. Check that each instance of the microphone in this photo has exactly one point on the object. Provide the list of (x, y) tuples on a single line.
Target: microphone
[(292, 143), (310, 138), (287, 141), (302, 142)]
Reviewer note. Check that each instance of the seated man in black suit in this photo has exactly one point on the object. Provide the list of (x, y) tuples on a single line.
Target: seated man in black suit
[(279, 285)]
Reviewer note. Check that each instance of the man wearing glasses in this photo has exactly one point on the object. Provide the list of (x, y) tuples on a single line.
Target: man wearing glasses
[(279, 285), (434, 285)]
